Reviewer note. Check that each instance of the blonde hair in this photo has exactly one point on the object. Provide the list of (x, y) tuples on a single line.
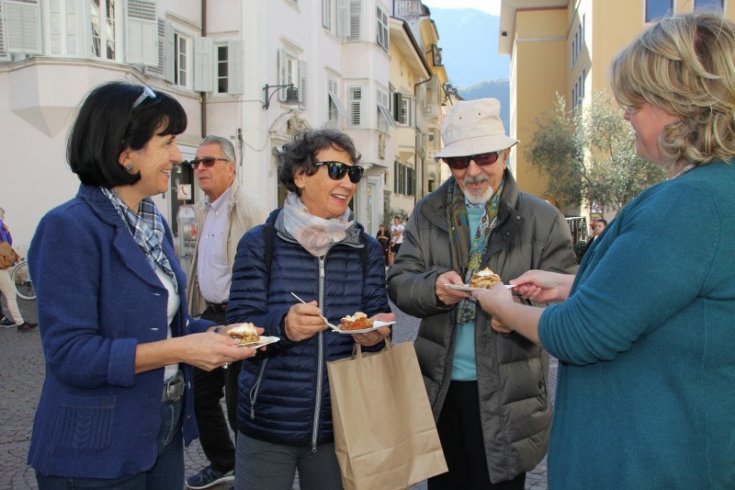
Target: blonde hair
[(685, 65)]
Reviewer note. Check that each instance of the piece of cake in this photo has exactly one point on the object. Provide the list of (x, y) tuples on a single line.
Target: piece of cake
[(484, 279), (245, 332), (358, 321)]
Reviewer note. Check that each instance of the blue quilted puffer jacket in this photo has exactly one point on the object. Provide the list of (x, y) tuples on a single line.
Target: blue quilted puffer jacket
[(284, 393)]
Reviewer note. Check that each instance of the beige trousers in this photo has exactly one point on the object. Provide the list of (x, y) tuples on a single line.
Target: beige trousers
[(7, 288)]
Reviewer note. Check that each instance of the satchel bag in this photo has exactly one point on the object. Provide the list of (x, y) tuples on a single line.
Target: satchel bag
[(8, 256), (384, 432)]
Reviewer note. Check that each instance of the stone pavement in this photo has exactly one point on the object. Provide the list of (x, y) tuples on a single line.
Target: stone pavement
[(21, 376)]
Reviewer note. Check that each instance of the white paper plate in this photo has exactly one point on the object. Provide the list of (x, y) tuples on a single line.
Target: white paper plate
[(264, 340), (376, 325), (465, 287)]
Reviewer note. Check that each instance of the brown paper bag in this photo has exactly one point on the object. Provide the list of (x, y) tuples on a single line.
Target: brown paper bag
[(384, 432)]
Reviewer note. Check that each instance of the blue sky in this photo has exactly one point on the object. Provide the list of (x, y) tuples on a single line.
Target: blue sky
[(487, 6)]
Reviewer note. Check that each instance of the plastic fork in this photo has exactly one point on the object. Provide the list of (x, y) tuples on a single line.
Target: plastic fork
[(322, 316)]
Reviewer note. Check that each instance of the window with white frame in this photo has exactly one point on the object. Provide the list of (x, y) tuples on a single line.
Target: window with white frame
[(385, 119), (355, 106), (291, 70), (222, 64), (104, 20), (402, 109), (327, 14), (381, 28), (63, 18), (335, 109), (182, 59)]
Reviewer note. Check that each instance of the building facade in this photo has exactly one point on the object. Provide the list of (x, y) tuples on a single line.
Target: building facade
[(254, 71)]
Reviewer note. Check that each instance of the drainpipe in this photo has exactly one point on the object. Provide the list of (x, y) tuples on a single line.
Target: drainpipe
[(418, 136), (203, 95)]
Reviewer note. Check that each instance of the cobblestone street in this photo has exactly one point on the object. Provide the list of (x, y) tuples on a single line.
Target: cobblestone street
[(21, 375)]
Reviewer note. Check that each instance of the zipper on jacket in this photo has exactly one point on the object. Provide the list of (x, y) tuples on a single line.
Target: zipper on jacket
[(320, 360), (256, 388)]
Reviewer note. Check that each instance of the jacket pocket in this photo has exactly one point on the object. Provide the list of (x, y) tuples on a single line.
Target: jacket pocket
[(84, 423)]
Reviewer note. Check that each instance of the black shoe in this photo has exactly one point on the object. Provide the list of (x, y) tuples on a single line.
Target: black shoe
[(26, 327), (208, 477), (6, 323)]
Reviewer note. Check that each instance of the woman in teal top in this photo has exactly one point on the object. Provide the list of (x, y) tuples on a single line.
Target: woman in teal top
[(646, 330)]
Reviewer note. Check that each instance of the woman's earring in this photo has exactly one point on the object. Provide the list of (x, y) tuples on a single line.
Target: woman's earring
[(129, 167)]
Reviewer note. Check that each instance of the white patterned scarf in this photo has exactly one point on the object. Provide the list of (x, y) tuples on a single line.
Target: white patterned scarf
[(315, 234)]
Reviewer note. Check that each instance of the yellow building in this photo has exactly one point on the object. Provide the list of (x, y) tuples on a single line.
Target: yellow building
[(566, 47)]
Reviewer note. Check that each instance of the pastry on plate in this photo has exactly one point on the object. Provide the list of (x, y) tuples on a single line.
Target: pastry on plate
[(358, 321), (484, 279)]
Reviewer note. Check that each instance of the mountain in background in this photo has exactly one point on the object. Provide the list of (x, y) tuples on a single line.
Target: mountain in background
[(469, 42)]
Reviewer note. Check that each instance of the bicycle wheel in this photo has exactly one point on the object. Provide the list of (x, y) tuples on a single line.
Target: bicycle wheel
[(22, 279)]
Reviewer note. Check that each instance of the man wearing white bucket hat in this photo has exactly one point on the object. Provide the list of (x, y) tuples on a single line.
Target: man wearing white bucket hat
[(487, 390)]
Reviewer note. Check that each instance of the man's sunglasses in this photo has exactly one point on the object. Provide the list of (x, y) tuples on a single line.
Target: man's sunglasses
[(337, 171), (207, 162), (461, 163)]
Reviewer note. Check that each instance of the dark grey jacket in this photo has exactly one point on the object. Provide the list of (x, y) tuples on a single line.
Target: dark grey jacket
[(511, 371)]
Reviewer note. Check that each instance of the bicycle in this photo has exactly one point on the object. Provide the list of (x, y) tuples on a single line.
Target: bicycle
[(21, 277)]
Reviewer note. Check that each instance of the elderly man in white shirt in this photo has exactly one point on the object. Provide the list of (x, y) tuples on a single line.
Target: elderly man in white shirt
[(224, 216)]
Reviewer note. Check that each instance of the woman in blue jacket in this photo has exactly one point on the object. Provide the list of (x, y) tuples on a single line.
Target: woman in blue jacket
[(116, 402), (645, 334), (313, 248)]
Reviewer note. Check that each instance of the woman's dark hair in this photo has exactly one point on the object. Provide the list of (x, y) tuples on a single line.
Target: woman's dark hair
[(300, 154), (113, 117)]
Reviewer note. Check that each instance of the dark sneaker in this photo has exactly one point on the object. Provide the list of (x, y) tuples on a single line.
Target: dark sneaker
[(208, 477), (26, 327), (6, 323)]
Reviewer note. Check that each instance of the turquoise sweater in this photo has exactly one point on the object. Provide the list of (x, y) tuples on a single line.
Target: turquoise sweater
[(646, 340)]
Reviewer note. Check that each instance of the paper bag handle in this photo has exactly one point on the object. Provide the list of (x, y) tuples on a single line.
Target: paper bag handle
[(357, 349)]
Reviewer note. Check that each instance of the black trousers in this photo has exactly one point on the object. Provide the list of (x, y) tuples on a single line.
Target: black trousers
[(460, 432), (209, 388)]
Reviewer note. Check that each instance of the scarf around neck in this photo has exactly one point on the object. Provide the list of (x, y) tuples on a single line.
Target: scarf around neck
[(315, 234), (147, 229), (471, 250)]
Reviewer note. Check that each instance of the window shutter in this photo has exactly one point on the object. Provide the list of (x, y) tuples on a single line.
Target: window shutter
[(343, 20), (141, 46), (22, 28), (303, 76), (397, 106), (327, 14), (356, 106), (169, 52), (282, 74), (355, 20), (3, 46), (235, 65), (203, 69)]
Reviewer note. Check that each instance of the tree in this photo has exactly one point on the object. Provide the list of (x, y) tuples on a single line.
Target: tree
[(590, 156)]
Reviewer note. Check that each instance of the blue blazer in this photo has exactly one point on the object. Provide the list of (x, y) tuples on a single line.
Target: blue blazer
[(98, 297)]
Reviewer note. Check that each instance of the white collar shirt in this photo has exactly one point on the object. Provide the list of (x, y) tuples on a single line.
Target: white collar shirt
[(213, 268)]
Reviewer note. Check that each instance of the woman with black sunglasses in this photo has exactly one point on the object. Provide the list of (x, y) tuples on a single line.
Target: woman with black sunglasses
[(116, 408), (312, 247)]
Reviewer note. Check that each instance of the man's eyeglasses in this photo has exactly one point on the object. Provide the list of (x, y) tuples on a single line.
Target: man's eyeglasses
[(207, 162), (461, 163), (147, 93), (337, 171)]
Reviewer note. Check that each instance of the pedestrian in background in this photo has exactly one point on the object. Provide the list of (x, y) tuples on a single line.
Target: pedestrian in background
[(318, 251), (384, 239), (116, 402), (8, 258), (396, 237), (488, 391), (222, 219), (645, 332)]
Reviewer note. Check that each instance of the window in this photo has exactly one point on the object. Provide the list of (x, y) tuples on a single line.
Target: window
[(381, 28), (404, 178), (22, 32), (182, 59), (356, 106), (711, 5), (292, 70), (62, 31), (104, 28), (335, 109), (222, 77), (355, 20), (655, 9), (401, 109), (327, 14), (384, 118)]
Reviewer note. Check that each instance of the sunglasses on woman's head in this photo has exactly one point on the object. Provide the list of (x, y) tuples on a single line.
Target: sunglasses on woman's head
[(206, 162), (482, 159), (148, 93), (337, 171)]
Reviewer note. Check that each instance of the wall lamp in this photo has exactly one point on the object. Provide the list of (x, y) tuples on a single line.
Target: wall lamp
[(292, 93)]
